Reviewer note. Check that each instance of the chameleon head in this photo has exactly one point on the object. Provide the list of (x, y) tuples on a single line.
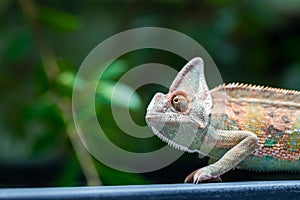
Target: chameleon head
[(182, 116)]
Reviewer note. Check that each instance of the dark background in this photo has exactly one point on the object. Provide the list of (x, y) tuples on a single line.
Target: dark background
[(42, 45)]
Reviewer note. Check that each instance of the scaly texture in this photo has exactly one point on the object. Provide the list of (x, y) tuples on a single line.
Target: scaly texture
[(238, 125), (272, 114)]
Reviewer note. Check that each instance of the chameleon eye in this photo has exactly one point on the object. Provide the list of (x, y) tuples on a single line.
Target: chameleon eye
[(179, 103)]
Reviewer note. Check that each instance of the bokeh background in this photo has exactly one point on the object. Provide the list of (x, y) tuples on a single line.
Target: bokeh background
[(43, 43)]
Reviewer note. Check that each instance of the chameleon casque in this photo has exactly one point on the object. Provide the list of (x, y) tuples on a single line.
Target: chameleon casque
[(236, 125)]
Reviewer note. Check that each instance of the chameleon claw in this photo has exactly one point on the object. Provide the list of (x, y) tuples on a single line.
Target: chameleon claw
[(190, 177), (202, 175), (232, 117), (198, 176)]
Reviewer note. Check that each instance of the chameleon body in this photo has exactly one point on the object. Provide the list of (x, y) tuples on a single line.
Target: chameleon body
[(237, 125)]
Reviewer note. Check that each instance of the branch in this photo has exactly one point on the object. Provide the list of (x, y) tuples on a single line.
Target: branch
[(52, 70)]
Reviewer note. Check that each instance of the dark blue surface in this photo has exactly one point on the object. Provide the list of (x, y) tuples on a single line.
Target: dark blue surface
[(237, 190)]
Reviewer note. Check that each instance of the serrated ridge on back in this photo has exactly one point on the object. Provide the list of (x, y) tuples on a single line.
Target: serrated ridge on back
[(273, 114), (241, 90)]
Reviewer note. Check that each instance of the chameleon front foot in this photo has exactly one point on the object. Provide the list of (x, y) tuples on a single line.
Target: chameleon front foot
[(202, 175)]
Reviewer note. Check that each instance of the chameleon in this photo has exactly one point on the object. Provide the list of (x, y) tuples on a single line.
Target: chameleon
[(236, 125)]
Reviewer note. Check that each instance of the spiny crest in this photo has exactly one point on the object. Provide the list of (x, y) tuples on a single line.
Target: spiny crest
[(259, 87), (241, 90)]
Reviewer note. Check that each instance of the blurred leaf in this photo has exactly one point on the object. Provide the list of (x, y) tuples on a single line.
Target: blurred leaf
[(123, 93), (40, 80), (287, 6), (71, 172), (65, 83), (66, 79), (251, 41), (220, 3), (4, 4), (18, 46), (43, 124), (58, 20), (116, 69)]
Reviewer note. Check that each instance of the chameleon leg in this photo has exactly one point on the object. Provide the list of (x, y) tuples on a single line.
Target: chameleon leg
[(242, 144)]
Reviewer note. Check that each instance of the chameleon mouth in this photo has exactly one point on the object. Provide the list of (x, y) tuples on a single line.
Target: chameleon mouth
[(153, 122), (161, 117), (180, 136), (155, 117), (173, 144)]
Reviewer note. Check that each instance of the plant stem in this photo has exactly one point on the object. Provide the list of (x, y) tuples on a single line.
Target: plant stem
[(52, 70)]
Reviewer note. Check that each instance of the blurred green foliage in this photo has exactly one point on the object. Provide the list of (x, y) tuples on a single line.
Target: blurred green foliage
[(250, 41)]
